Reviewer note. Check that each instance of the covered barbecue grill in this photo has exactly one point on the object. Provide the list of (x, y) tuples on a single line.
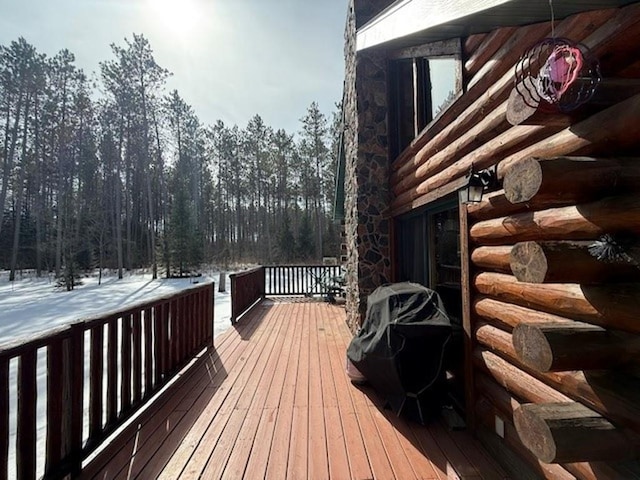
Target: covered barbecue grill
[(401, 346)]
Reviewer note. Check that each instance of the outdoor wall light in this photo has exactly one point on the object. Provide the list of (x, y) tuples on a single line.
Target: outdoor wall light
[(478, 183)]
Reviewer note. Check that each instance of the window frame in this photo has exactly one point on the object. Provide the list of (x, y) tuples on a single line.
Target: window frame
[(401, 137)]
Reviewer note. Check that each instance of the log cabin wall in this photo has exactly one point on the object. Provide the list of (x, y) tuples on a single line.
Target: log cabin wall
[(554, 331)]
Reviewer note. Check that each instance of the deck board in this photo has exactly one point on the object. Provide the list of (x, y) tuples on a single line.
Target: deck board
[(272, 401)]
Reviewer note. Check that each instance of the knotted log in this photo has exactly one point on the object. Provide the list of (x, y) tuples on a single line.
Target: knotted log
[(572, 346), (492, 258), (508, 315), (614, 128), (525, 108), (609, 306), (582, 222), (563, 180), (613, 394), (566, 262), (570, 432)]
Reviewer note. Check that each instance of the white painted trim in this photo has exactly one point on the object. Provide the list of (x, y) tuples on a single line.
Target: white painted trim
[(406, 17)]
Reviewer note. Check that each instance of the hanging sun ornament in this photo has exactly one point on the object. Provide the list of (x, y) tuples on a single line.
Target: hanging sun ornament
[(556, 74)]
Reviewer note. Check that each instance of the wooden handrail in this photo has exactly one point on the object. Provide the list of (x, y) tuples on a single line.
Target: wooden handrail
[(247, 288), (145, 346), (250, 286), (302, 279)]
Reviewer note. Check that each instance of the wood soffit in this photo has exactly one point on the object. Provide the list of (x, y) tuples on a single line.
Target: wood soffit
[(413, 22)]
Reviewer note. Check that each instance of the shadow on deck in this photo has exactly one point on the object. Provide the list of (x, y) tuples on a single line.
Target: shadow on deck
[(272, 401)]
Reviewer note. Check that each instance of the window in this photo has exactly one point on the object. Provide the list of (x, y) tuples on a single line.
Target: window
[(420, 87)]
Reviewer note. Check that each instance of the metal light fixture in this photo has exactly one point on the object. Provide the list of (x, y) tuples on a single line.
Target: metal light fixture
[(478, 183)]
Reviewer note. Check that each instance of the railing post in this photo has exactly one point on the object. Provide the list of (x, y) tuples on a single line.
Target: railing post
[(55, 405), (112, 369), (95, 382), (126, 359), (27, 394), (73, 390), (137, 357), (4, 412), (148, 354)]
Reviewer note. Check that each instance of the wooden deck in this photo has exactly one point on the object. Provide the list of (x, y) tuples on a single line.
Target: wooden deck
[(272, 401)]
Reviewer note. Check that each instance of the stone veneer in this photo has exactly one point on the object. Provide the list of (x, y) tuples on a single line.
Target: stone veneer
[(367, 194)]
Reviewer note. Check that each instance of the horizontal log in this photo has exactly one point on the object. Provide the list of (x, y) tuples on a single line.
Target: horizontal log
[(563, 180), (502, 403), (508, 315), (572, 346), (566, 262), (614, 90), (469, 108), (523, 141), (494, 205), (570, 432), (582, 222), (483, 52), (482, 132), (472, 42), (524, 107), (610, 306), (587, 137), (614, 395), (485, 155), (492, 258), (515, 380), (486, 413)]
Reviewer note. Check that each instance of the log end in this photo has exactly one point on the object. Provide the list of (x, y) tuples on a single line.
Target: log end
[(529, 262), (570, 432), (532, 347), (522, 180), (534, 433), (522, 105)]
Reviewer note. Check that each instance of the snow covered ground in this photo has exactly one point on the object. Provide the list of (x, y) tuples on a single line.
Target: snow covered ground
[(32, 304)]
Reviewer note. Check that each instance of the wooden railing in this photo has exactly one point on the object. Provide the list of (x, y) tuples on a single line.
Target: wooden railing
[(301, 279), (253, 285), (131, 353), (246, 289)]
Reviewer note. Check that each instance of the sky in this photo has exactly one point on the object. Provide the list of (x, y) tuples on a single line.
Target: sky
[(230, 59)]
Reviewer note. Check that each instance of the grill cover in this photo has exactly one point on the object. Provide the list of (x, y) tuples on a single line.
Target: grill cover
[(400, 348)]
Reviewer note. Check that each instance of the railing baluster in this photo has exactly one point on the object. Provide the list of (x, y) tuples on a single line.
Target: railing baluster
[(126, 362), (148, 354), (112, 370), (27, 393), (199, 320), (210, 312), (166, 347), (174, 347), (192, 323), (95, 382), (158, 344), (55, 404), (137, 358), (75, 367), (4, 416)]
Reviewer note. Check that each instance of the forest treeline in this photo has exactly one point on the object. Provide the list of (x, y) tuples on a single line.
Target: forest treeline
[(112, 171)]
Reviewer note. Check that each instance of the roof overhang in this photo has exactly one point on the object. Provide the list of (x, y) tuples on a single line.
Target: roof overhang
[(414, 22)]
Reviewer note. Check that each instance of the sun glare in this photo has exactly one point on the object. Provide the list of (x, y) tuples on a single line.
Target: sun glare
[(177, 16)]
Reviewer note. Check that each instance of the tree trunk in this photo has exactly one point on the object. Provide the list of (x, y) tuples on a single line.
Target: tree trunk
[(20, 197)]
